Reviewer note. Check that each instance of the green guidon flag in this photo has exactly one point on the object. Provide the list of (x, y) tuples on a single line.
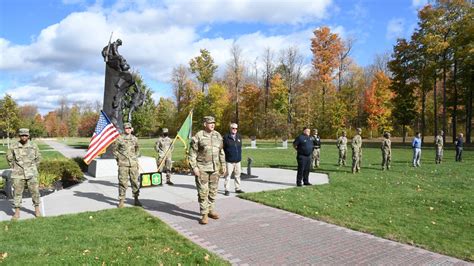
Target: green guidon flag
[(184, 133)]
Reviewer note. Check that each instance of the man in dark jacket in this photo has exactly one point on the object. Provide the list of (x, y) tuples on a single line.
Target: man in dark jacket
[(304, 147), (459, 143), (233, 156)]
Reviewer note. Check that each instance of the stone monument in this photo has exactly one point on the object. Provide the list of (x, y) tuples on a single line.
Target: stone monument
[(120, 89), (122, 96)]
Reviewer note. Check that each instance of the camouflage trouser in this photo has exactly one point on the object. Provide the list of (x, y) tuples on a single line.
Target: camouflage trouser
[(206, 185), (386, 159), (342, 157), (19, 187), (165, 168), (315, 159), (439, 154), (124, 173), (356, 160)]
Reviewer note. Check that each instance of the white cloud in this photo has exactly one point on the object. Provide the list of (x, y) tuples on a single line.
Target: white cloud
[(395, 28), (418, 3), (64, 59)]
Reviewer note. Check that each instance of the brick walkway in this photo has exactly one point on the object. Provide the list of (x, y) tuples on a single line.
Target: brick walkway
[(250, 233)]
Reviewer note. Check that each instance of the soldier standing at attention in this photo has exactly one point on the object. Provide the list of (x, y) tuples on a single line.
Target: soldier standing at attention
[(439, 147), (342, 147), (24, 157), (126, 153), (304, 148), (316, 149), (386, 151), (162, 145), (356, 151), (207, 159)]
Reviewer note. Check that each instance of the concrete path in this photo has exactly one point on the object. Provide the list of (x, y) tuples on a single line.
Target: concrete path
[(247, 232)]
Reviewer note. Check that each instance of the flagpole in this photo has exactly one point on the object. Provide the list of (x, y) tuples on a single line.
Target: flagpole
[(166, 153)]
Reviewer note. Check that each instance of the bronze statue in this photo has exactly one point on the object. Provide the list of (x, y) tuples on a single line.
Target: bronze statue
[(121, 92)]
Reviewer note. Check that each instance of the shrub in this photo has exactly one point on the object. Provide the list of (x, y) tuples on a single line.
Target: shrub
[(81, 163), (66, 170), (181, 166)]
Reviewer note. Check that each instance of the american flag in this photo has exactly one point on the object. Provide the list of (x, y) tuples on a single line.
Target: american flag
[(105, 133)]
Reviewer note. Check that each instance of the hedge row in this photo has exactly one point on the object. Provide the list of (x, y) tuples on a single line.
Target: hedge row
[(66, 170)]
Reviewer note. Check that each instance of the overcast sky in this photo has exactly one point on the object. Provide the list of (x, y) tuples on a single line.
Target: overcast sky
[(51, 48)]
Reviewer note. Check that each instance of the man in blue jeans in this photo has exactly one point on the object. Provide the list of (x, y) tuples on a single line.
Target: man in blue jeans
[(304, 147), (416, 145)]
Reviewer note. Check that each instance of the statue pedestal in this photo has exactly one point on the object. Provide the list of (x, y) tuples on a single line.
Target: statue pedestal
[(108, 167)]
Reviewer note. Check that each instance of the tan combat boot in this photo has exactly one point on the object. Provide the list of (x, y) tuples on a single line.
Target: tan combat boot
[(16, 216), (37, 211), (121, 203), (137, 202), (203, 219), (213, 215)]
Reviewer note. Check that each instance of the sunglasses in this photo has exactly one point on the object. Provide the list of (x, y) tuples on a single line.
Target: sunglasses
[(234, 128)]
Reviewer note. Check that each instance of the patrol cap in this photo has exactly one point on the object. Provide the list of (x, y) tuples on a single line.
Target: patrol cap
[(165, 130), (23, 132), (127, 125), (315, 129), (209, 119)]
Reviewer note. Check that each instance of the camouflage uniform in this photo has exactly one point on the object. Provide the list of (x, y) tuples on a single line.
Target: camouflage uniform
[(356, 152), (126, 152), (161, 146), (386, 151), (439, 148), (24, 160), (207, 155), (342, 147)]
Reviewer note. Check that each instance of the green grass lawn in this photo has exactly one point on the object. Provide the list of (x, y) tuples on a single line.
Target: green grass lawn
[(46, 153), (431, 206), (118, 236)]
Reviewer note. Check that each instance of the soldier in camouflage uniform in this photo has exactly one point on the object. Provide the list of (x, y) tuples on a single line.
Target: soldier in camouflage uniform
[(356, 151), (126, 153), (342, 147), (161, 146), (316, 155), (439, 147), (24, 157), (386, 151), (207, 159)]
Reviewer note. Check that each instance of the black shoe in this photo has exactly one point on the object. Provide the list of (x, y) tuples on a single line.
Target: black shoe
[(227, 193), (239, 191), (299, 185), (169, 183), (308, 184)]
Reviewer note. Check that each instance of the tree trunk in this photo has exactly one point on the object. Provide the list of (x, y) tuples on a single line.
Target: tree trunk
[(435, 109), (455, 106), (423, 109), (469, 116), (444, 98), (403, 133)]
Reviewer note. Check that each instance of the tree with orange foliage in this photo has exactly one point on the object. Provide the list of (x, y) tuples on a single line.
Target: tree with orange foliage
[(250, 106), (378, 103), (326, 48)]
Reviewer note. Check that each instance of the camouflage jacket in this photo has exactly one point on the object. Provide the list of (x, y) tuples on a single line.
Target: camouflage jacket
[(126, 150), (207, 152), (162, 145), (357, 142), (439, 141), (24, 160), (386, 145), (342, 143)]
